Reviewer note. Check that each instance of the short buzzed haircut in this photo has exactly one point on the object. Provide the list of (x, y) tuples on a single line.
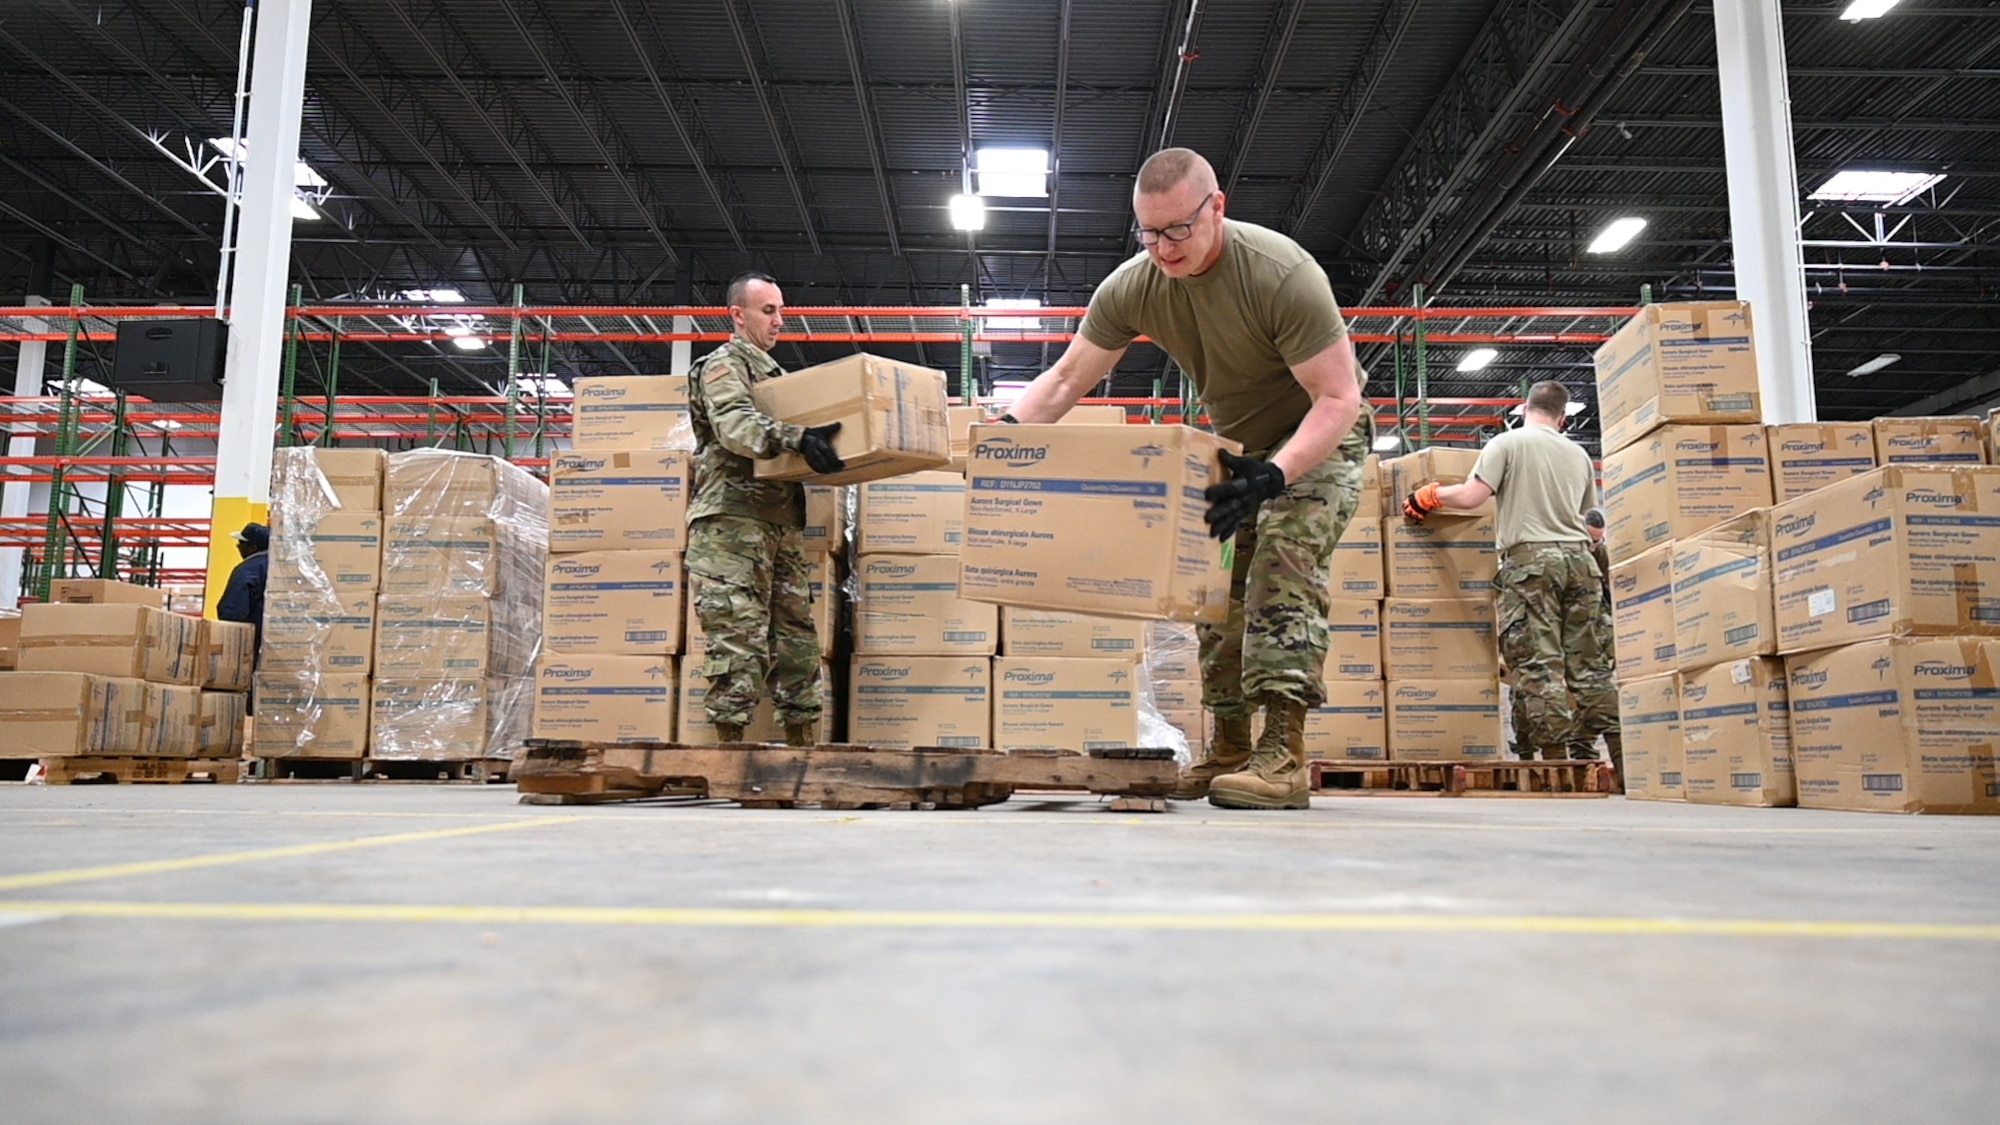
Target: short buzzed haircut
[(1169, 168), (739, 287), (1548, 398)]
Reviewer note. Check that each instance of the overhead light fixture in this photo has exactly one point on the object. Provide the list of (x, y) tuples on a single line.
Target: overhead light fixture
[(968, 212), (304, 211), (541, 386), (1874, 365), (1477, 359), (1615, 236), (1016, 172), (433, 296), (1024, 323), (468, 343), (1867, 9), (1387, 442), (1856, 185)]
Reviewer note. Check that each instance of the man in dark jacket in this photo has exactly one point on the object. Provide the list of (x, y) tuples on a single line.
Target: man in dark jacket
[(243, 599)]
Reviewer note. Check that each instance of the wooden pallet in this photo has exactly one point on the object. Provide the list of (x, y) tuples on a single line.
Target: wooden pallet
[(472, 771), (108, 770), (833, 776), (1462, 779)]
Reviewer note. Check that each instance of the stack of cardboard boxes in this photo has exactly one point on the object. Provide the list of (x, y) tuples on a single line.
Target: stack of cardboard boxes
[(1799, 609), (112, 672), (614, 586), (1173, 673), (315, 671), (1439, 656), (464, 550)]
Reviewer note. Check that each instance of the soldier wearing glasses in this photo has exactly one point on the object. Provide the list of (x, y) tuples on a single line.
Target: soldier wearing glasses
[(1251, 318)]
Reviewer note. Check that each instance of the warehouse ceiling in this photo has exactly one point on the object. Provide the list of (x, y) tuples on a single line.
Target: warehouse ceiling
[(644, 151)]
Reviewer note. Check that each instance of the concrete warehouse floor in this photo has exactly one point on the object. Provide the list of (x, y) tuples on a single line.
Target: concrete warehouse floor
[(344, 953)]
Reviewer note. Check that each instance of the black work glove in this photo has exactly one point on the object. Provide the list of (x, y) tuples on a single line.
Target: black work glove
[(1008, 419), (816, 446), (1234, 502)]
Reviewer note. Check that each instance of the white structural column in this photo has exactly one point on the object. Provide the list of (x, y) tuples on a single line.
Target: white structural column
[(683, 356), (1764, 201), (29, 375), (257, 297)]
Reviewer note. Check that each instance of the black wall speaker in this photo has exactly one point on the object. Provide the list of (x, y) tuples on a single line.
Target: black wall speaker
[(171, 360)]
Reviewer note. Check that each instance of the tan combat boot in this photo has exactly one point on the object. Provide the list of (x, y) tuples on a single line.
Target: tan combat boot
[(729, 732), (1227, 752), (801, 734), (1276, 776)]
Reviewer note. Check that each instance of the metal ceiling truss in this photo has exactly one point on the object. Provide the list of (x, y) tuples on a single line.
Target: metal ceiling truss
[(1354, 100)]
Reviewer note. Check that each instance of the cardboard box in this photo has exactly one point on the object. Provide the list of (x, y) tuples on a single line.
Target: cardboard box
[(1736, 734), (1445, 464), (1095, 519), (1643, 629), (336, 550), (1722, 601), (311, 717), (1686, 362), (133, 641), (1649, 718), (171, 725), (432, 483), (68, 714), (1372, 495), (105, 591), (1951, 440), (10, 640), (305, 479), (227, 654), (1445, 720), (962, 418), (618, 500), (624, 602), (692, 728), (438, 638), (908, 605), (1442, 559), (423, 556), (891, 415), (1176, 695), (826, 520), (899, 701), (917, 514), (631, 412), (1680, 481), (1173, 651), (1906, 549), (1193, 726), (1352, 724), (1040, 632), (1358, 567), (1896, 725), (597, 698), (428, 719), (1354, 641), (1042, 703), (1439, 640), (219, 724), (311, 632), (1810, 455)]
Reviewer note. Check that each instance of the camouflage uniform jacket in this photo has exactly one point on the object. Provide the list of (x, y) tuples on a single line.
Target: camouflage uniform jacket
[(731, 434)]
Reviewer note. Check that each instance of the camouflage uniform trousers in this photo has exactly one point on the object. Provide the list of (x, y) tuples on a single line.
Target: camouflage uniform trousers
[(748, 580), (1554, 637), (1273, 643)]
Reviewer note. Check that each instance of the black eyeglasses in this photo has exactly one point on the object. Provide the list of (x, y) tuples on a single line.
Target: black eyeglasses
[(1178, 232)]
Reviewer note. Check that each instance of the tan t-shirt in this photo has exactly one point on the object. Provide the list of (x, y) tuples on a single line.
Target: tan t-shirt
[(1541, 483), (1236, 329)]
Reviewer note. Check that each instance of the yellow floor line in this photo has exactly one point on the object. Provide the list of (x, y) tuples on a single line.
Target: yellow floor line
[(998, 920), (190, 863)]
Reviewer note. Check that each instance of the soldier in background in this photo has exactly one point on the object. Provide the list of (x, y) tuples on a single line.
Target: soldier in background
[(746, 561), (1549, 594), (1602, 717)]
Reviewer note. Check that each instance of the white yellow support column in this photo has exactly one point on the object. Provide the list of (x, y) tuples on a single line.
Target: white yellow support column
[(1764, 202), (29, 374), (257, 296)]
